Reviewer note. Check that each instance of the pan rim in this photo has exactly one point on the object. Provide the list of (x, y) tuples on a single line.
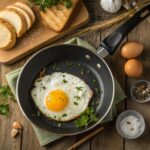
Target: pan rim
[(84, 130)]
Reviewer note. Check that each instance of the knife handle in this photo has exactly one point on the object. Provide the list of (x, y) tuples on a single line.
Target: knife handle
[(111, 42)]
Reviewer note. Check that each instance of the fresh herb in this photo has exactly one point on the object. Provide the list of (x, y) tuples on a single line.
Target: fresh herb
[(82, 72), (54, 66), (38, 113), (44, 87), (64, 81), (5, 94), (76, 103), (94, 81), (64, 76), (59, 124), (77, 97), (4, 109), (68, 63), (43, 4), (39, 80), (79, 88), (64, 115), (86, 118)]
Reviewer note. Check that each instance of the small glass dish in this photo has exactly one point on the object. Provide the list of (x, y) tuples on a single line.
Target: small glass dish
[(124, 115), (134, 87)]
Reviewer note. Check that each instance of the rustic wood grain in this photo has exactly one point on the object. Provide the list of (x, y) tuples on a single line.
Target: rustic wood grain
[(141, 34), (109, 138)]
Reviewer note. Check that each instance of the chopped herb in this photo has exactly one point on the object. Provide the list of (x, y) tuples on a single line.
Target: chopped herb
[(77, 97), (82, 72), (76, 103), (97, 90), (4, 109), (54, 116), (64, 76), (86, 118), (39, 80), (43, 4), (64, 115), (59, 124), (38, 113), (79, 88), (64, 81), (44, 87), (54, 66), (94, 81), (68, 63)]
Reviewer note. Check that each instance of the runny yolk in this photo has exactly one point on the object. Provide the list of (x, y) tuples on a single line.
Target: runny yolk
[(56, 100)]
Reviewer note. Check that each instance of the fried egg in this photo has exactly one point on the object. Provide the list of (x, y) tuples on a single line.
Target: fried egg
[(61, 96)]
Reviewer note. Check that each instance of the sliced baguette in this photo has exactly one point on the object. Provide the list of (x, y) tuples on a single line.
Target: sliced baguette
[(15, 19), (28, 19), (7, 35), (26, 8), (57, 17)]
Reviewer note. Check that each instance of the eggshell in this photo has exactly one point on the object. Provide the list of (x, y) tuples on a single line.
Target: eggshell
[(133, 68), (131, 50)]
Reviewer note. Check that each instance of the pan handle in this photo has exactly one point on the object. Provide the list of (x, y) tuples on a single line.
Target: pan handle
[(111, 42)]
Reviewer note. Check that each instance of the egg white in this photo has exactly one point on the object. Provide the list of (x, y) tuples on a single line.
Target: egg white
[(54, 81)]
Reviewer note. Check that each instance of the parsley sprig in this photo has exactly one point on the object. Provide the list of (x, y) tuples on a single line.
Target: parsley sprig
[(5, 95), (43, 4), (86, 118)]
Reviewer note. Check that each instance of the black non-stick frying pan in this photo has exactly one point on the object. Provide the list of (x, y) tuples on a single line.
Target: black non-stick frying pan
[(87, 65)]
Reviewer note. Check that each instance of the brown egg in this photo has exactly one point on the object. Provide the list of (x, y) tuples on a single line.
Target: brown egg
[(131, 50), (133, 68)]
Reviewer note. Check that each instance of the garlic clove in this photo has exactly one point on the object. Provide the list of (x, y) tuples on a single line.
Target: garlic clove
[(111, 6), (17, 125), (14, 133)]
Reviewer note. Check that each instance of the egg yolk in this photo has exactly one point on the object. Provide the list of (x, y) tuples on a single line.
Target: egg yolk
[(56, 100)]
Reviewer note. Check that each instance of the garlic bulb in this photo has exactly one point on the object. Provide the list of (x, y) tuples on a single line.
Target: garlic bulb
[(111, 6)]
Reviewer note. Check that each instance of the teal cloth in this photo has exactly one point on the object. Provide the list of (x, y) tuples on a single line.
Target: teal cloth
[(46, 137)]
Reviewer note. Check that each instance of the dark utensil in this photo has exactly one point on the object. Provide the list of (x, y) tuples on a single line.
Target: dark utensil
[(89, 62)]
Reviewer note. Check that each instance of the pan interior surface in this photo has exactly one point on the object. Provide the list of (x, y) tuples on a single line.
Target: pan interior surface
[(70, 59)]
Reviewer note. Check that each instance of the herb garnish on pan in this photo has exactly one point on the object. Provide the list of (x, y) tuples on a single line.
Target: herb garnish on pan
[(86, 118)]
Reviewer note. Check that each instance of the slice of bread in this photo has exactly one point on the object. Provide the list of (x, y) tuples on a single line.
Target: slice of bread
[(15, 19), (28, 19), (26, 8), (7, 35), (57, 17)]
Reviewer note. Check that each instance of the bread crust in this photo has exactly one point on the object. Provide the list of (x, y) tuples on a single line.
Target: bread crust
[(22, 22), (26, 16), (11, 42), (27, 9)]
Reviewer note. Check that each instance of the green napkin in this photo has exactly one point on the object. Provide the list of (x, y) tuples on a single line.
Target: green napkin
[(44, 136)]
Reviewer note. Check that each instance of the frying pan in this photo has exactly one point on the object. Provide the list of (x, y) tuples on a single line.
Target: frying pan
[(87, 65)]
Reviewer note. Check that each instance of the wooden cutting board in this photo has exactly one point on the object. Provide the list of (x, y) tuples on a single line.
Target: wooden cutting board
[(39, 35)]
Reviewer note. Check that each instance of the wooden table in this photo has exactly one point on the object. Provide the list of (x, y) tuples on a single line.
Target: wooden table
[(109, 138)]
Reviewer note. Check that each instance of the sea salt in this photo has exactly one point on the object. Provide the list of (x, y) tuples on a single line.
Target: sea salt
[(130, 125)]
